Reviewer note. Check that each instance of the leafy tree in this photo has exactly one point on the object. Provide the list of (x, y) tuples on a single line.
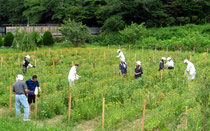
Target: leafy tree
[(37, 38), (75, 32), (8, 39), (1, 41), (48, 38), (133, 32), (114, 23)]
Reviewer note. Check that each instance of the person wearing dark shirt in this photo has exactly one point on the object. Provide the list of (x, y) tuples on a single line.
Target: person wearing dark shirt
[(161, 65), (20, 89), (26, 64), (123, 67), (138, 70), (32, 85)]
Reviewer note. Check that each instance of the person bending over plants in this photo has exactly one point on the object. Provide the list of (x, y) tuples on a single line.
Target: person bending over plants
[(161, 65), (26, 64), (138, 70), (123, 67), (190, 70), (32, 84), (73, 75)]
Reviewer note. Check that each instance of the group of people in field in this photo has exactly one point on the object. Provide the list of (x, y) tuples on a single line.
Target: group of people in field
[(26, 90)]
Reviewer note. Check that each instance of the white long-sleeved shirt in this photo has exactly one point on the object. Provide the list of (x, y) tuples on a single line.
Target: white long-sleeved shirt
[(73, 74), (170, 63), (191, 68), (121, 56)]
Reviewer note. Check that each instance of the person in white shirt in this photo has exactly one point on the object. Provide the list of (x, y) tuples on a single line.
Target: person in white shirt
[(190, 70), (26, 64), (170, 63), (120, 55), (73, 75)]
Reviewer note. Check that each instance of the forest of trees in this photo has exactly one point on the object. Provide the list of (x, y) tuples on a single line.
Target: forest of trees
[(106, 13)]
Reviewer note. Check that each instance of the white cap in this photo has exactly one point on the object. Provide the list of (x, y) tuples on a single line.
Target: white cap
[(169, 58), (138, 62), (118, 50), (186, 61), (19, 77), (27, 56), (163, 58)]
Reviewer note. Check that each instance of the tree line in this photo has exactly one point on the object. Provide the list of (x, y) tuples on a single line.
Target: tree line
[(112, 15)]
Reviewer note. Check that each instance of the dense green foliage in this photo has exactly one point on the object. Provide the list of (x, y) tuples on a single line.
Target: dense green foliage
[(124, 96), (1, 41), (185, 37), (8, 39), (75, 32), (48, 38), (101, 12)]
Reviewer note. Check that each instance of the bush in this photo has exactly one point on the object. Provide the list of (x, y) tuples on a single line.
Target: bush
[(9, 37), (48, 38), (75, 32), (37, 38), (114, 23), (133, 32), (24, 41), (1, 41)]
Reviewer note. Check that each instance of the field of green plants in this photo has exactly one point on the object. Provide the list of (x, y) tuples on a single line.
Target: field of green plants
[(124, 96)]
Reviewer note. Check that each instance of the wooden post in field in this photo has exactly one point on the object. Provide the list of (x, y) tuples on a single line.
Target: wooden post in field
[(76, 52), (119, 46), (49, 51), (142, 48), (185, 120), (10, 100), (129, 47), (161, 75), (194, 49), (36, 105), (72, 63), (104, 55), (69, 108), (143, 115), (18, 61), (2, 59), (108, 46), (53, 63), (103, 109)]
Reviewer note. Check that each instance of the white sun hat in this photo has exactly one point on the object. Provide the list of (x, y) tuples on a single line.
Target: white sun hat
[(186, 61), (169, 58), (163, 58), (19, 77), (138, 62), (118, 50), (27, 56)]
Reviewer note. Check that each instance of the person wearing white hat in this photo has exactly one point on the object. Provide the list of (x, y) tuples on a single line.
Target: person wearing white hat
[(138, 70), (161, 65), (120, 55), (73, 75), (170, 63), (20, 89), (26, 64), (123, 67), (190, 70)]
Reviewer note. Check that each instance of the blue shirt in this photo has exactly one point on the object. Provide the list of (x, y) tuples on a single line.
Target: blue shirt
[(123, 68), (31, 86)]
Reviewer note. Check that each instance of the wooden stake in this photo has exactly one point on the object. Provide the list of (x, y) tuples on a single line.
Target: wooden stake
[(161, 75), (18, 61), (103, 109), (72, 63), (36, 105), (53, 63), (135, 57), (142, 49), (69, 108), (143, 115), (104, 55), (76, 52), (194, 49), (108, 46), (129, 47), (10, 100), (185, 121)]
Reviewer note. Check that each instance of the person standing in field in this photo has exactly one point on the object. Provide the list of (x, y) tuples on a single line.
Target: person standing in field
[(161, 65), (32, 84), (20, 89), (190, 70), (123, 67), (138, 70), (170, 63), (120, 55), (26, 64), (73, 75)]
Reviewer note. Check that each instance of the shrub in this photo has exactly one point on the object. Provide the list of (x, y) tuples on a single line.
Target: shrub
[(133, 32), (114, 23), (24, 41), (48, 38), (9, 37), (37, 38), (1, 41), (75, 32)]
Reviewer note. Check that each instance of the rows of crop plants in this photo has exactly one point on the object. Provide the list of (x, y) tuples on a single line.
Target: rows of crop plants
[(124, 96)]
